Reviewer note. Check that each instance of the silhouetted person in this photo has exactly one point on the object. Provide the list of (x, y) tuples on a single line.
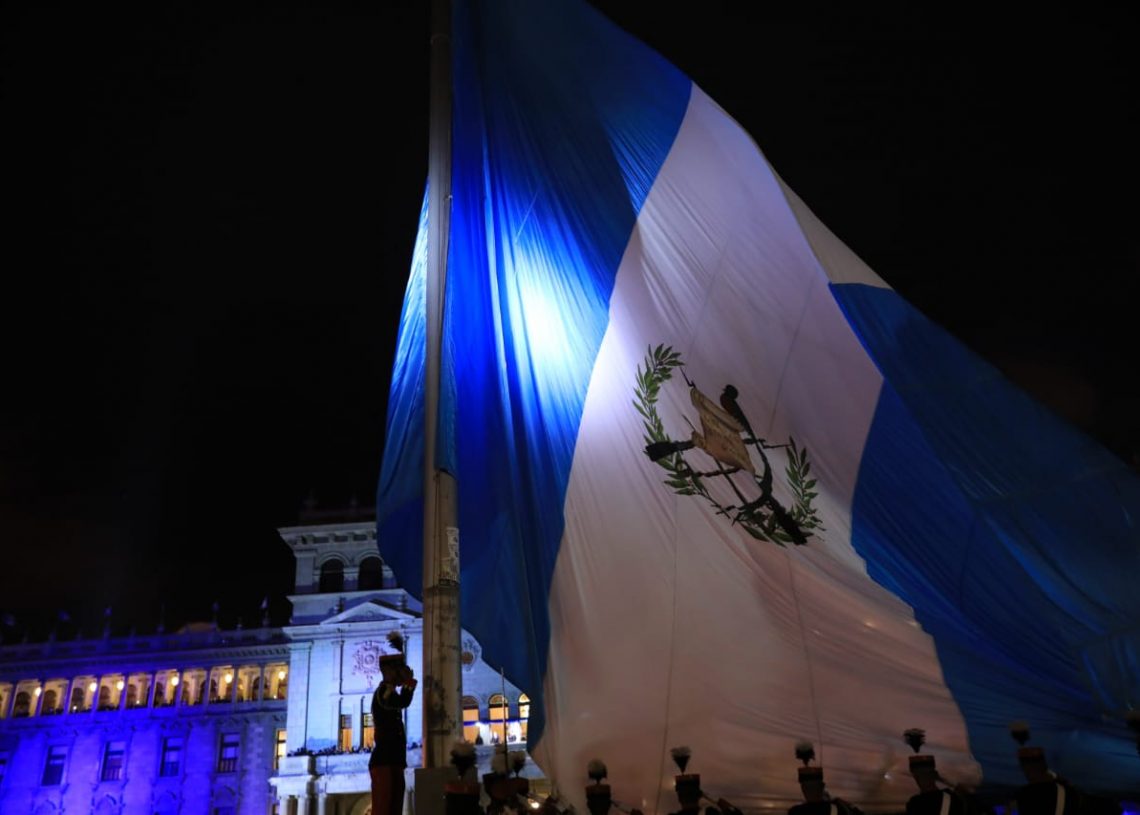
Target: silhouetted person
[(389, 755)]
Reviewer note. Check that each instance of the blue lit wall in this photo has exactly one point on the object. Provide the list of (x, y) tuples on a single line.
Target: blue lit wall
[(200, 783)]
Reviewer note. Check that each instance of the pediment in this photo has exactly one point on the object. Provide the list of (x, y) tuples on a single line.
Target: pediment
[(369, 612)]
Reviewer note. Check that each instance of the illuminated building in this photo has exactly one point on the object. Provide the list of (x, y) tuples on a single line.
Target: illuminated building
[(230, 722)]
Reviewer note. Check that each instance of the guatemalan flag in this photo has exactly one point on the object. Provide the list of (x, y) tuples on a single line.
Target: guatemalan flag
[(719, 485)]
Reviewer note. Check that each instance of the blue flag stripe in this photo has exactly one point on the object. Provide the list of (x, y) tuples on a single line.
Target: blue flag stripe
[(1007, 532)]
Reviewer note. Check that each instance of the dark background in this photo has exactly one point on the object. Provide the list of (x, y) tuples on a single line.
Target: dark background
[(210, 218)]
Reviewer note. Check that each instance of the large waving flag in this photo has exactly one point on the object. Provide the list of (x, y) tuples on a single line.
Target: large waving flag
[(719, 485)]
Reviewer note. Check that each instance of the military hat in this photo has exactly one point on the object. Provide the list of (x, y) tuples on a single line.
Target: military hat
[(805, 752), (396, 640), (684, 781), (597, 793), (1020, 732), (915, 737)]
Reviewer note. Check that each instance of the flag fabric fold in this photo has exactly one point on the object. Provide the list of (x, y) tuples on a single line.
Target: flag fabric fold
[(849, 524)]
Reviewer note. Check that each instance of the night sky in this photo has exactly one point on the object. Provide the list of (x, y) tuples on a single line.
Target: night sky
[(210, 218)]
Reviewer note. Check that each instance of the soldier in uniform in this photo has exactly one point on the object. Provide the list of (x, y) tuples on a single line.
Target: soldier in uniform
[(389, 755), (689, 794), (1046, 793), (498, 783), (816, 799), (461, 797), (932, 800), (598, 798)]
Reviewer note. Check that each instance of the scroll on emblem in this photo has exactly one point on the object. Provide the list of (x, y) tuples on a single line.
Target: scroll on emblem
[(720, 436)]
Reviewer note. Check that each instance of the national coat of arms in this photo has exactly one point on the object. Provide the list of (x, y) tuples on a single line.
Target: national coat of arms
[(366, 660), (727, 438)]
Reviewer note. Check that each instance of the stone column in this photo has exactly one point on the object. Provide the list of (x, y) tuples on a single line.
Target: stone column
[(39, 706), (322, 803), (67, 698), (234, 686), (153, 680), (304, 804), (177, 688), (123, 692), (261, 683)]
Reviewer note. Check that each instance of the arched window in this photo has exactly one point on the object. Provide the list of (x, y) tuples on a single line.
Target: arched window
[(49, 701), (77, 698), (524, 714), (371, 574), (497, 714), (159, 694), (104, 697), (132, 695), (332, 576), (22, 706), (255, 688), (470, 718)]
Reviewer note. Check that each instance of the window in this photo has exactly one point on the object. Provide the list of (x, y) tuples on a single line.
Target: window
[(524, 713), (53, 767), (228, 753), (332, 577), (368, 734), (113, 759), (470, 718), (371, 574), (345, 732), (279, 749), (105, 698), (49, 705), (22, 707), (77, 699), (171, 756), (497, 714)]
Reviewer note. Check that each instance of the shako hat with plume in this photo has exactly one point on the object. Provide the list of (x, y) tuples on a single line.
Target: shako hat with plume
[(596, 790), (396, 640), (1019, 730), (915, 737), (684, 781), (805, 752), (497, 783), (462, 797)]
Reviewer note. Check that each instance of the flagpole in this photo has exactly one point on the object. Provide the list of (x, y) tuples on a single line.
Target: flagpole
[(440, 688)]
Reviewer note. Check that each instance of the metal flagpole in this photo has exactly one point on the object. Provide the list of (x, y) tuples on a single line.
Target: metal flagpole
[(440, 693)]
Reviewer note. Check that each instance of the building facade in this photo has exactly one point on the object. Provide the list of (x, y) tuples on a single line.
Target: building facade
[(210, 722)]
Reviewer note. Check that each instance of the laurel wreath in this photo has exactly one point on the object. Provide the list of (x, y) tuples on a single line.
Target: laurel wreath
[(760, 522)]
